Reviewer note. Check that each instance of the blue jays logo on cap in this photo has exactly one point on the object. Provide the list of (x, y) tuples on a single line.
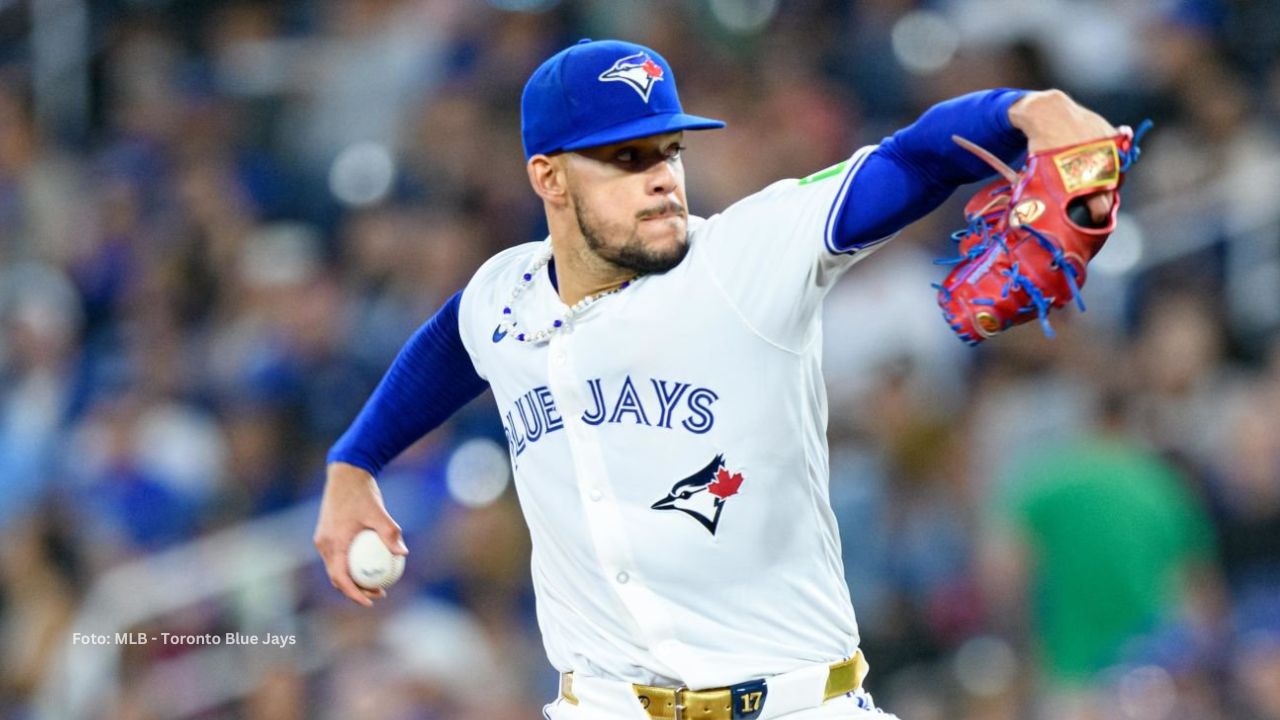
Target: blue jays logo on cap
[(575, 99), (639, 71), (702, 495)]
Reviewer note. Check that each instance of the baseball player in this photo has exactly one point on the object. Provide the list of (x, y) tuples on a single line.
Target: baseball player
[(658, 378)]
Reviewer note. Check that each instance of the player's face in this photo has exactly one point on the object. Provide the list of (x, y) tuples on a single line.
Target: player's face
[(630, 202)]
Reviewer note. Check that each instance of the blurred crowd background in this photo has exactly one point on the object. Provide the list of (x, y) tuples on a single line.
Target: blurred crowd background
[(219, 220)]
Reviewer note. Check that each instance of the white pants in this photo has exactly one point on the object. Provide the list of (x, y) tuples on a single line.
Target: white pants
[(606, 700)]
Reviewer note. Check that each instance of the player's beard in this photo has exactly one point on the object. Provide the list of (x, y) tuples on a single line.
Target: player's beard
[(632, 254)]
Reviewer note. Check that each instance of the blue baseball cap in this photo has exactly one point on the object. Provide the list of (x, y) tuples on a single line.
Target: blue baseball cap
[(599, 92)]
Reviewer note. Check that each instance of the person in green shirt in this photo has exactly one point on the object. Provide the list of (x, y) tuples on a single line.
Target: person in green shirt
[(1095, 543)]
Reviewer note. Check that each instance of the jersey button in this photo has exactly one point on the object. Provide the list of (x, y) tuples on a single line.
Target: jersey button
[(623, 577), (595, 495), (558, 357)]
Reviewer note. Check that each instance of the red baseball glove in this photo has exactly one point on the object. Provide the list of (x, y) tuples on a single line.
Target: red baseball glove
[(1030, 236)]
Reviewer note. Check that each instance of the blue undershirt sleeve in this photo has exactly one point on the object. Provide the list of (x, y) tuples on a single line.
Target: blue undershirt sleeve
[(918, 168), (431, 379)]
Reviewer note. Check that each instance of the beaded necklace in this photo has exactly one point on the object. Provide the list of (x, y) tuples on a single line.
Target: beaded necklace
[(508, 323)]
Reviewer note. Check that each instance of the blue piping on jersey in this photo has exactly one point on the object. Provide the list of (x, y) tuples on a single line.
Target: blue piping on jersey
[(837, 206)]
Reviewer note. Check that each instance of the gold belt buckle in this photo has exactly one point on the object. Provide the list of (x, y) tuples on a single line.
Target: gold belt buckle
[(679, 703)]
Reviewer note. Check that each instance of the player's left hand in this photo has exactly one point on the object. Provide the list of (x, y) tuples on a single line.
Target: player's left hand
[(1032, 233), (1051, 119)]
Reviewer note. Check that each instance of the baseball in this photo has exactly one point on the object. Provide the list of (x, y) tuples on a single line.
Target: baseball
[(371, 564)]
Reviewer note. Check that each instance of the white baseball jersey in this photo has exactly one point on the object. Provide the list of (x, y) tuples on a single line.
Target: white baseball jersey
[(669, 449)]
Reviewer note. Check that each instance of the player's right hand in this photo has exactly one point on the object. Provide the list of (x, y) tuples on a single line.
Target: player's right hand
[(351, 503)]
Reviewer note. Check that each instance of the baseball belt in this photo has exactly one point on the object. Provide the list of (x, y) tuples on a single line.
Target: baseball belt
[(736, 702)]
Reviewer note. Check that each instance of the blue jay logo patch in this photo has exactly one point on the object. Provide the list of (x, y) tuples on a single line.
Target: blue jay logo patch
[(702, 495), (639, 71)]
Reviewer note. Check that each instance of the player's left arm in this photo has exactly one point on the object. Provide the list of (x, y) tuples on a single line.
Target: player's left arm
[(916, 169)]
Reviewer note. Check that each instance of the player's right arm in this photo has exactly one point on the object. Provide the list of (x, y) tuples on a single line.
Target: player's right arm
[(431, 378)]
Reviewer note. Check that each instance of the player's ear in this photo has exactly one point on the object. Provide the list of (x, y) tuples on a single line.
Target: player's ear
[(547, 176)]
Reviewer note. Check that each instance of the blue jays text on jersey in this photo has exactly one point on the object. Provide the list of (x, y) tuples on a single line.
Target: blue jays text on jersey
[(667, 404)]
